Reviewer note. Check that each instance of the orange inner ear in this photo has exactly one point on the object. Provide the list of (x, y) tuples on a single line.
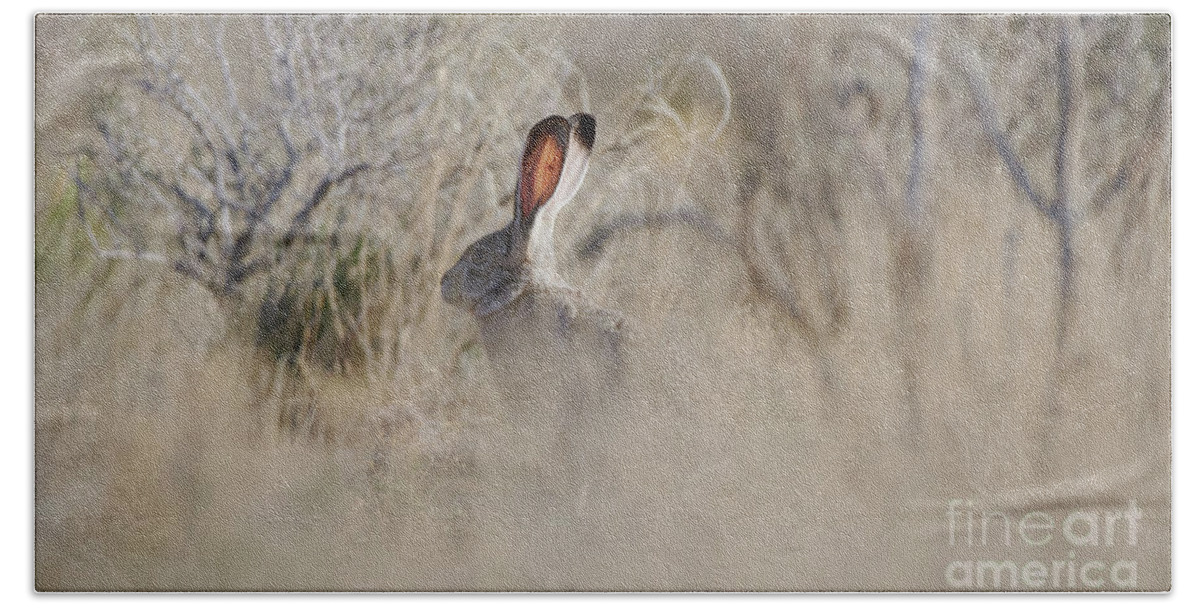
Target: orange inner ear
[(540, 170)]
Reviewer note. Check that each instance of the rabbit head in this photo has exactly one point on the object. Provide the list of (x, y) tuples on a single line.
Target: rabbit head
[(495, 270)]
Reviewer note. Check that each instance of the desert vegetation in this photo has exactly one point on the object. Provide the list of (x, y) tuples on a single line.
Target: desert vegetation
[(866, 264)]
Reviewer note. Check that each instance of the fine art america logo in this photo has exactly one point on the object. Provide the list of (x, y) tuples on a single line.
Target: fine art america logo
[(1082, 536)]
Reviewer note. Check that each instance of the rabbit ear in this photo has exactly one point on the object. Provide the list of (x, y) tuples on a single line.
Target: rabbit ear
[(583, 129), (546, 150), (583, 134)]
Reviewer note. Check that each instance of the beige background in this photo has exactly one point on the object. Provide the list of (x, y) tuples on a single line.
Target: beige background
[(804, 382)]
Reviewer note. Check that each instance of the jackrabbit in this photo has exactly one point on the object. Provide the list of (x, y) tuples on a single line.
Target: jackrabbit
[(556, 359), (495, 270)]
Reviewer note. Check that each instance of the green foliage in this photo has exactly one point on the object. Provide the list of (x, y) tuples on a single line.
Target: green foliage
[(60, 246), (323, 314)]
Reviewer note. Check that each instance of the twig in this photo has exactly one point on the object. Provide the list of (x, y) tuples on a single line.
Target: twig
[(300, 220), (592, 245), (916, 94), (986, 110)]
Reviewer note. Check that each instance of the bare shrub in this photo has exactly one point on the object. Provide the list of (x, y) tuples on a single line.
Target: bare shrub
[(1096, 82), (278, 169)]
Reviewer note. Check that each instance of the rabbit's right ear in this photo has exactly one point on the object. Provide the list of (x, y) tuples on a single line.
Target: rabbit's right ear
[(583, 135), (541, 166)]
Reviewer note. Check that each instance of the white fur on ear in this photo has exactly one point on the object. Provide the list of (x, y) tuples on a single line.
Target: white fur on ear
[(579, 151)]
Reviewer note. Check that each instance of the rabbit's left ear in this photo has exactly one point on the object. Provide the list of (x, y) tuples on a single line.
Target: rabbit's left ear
[(546, 150)]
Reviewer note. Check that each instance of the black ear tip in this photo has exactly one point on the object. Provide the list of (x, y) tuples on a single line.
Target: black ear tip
[(556, 125), (584, 127)]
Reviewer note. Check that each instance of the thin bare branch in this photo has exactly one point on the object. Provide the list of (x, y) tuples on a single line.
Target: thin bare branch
[(85, 192), (300, 220), (594, 244), (917, 74), (985, 106)]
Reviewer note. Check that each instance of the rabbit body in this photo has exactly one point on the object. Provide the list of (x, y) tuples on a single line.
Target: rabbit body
[(557, 359)]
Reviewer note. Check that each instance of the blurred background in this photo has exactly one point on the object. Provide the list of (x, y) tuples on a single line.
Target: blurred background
[(866, 264)]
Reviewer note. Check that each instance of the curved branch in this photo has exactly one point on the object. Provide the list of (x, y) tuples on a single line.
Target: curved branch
[(322, 190), (593, 245)]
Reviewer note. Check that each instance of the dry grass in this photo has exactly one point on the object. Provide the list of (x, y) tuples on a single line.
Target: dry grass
[(843, 309)]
